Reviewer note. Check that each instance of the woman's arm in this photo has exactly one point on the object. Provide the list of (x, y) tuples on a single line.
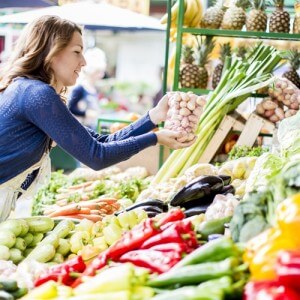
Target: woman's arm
[(139, 127), (75, 96), (44, 108)]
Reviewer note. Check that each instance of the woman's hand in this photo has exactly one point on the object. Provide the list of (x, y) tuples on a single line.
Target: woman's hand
[(158, 114), (169, 138)]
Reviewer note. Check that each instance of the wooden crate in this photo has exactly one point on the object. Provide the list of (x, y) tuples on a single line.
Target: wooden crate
[(250, 130)]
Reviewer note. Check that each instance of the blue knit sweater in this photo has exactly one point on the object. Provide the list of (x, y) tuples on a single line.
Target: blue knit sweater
[(31, 112)]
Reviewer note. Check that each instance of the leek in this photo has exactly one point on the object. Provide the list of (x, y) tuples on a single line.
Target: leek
[(236, 85)]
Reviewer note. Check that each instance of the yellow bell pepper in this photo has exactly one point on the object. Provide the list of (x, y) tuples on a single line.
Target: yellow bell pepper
[(288, 217)]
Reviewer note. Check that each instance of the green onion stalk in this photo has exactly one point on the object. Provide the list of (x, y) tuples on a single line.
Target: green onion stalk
[(236, 85)]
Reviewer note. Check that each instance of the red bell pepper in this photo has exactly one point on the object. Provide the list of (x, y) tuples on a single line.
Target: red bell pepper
[(180, 248), (155, 261), (177, 232), (269, 290), (288, 268), (171, 216), (63, 272)]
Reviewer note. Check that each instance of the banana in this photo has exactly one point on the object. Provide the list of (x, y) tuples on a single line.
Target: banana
[(174, 14), (191, 11), (198, 16)]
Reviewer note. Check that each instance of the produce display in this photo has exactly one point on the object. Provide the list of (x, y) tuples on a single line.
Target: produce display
[(184, 113), (215, 231)]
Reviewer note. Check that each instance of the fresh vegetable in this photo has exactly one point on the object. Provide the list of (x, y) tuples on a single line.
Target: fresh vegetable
[(184, 113), (243, 151), (197, 189), (215, 250), (62, 272), (39, 224), (212, 227), (194, 274), (236, 85)]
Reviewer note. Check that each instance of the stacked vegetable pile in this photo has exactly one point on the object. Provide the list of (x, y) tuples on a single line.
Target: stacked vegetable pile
[(283, 101), (19, 237), (9, 290), (184, 113)]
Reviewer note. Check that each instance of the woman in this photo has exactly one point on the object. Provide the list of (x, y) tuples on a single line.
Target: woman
[(83, 101), (47, 59)]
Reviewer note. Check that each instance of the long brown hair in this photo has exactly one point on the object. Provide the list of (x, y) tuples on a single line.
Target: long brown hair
[(39, 42)]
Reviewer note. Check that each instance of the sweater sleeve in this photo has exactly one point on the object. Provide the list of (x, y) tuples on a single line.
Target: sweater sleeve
[(75, 96), (137, 128), (44, 108)]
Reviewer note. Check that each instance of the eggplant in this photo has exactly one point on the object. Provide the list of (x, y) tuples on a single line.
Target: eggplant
[(152, 214), (149, 202), (228, 189), (226, 179), (206, 200), (196, 210), (150, 208), (198, 188)]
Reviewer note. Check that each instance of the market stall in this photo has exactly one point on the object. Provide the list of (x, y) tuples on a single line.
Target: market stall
[(210, 224)]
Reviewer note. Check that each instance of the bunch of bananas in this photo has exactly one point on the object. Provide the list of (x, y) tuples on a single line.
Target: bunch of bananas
[(192, 13)]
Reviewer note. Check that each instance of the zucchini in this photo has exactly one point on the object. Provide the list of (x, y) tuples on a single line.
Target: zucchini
[(42, 253), (28, 238), (20, 293), (8, 285), (7, 238), (20, 244), (6, 296), (40, 224), (63, 228), (36, 239), (13, 225), (16, 255), (4, 253)]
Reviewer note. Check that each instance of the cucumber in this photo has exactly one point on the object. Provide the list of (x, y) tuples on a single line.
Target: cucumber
[(40, 224), (8, 285), (27, 251), (7, 238), (63, 228), (36, 239), (20, 293), (16, 255), (63, 247), (20, 244), (13, 225), (42, 253), (25, 227), (28, 238), (6, 296), (4, 253), (52, 239)]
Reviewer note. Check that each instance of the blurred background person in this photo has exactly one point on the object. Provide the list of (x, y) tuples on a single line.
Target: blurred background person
[(83, 100)]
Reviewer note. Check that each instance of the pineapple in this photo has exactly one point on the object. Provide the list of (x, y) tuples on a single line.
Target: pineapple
[(225, 50), (296, 26), (293, 56), (204, 50), (189, 73), (280, 19), (235, 16), (241, 52), (257, 18), (213, 16)]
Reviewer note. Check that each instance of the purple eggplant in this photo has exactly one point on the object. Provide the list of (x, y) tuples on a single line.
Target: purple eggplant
[(199, 188), (228, 189), (196, 210)]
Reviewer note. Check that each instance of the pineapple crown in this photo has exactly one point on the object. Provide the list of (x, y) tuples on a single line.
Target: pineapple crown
[(188, 54), (258, 4), (241, 51), (244, 4), (225, 50), (204, 48), (293, 57), (278, 3)]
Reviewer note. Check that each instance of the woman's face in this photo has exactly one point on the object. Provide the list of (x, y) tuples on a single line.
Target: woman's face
[(67, 64)]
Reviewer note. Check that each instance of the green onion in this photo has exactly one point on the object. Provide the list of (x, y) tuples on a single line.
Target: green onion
[(236, 85)]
